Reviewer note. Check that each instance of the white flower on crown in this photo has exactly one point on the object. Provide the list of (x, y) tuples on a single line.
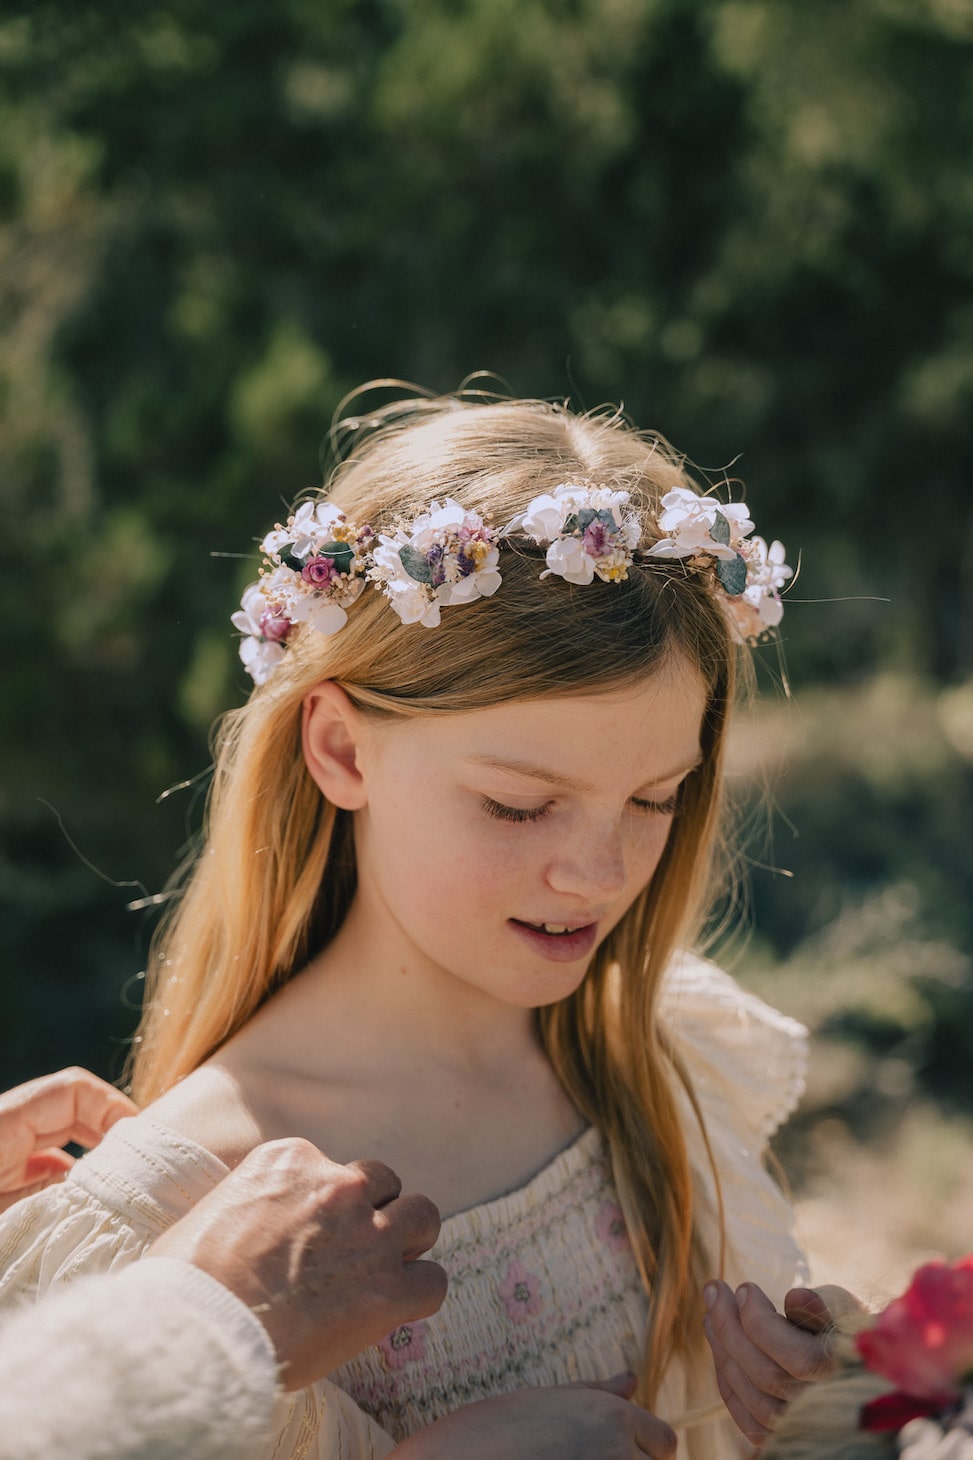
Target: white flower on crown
[(693, 524), (714, 534), (759, 607), (446, 556), (260, 651), (312, 524), (314, 569), (588, 530)]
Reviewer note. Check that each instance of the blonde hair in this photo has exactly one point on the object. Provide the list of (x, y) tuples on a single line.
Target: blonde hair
[(822, 1422), (277, 873)]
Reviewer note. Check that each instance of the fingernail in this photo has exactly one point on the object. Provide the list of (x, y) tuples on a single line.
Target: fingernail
[(742, 1294), (709, 1294)]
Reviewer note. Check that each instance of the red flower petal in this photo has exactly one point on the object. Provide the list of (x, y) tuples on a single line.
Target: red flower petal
[(892, 1411)]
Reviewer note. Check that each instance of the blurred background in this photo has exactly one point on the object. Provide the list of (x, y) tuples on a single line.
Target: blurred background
[(749, 221)]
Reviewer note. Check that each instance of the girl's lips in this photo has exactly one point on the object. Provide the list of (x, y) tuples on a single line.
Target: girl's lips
[(558, 947)]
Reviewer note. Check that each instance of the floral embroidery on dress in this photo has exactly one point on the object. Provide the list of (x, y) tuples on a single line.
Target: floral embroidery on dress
[(610, 1227), (404, 1345), (521, 1293)]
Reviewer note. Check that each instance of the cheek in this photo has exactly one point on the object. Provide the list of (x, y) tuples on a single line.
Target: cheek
[(648, 849)]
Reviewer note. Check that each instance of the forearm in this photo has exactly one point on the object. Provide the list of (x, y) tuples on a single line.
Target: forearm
[(154, 1363)]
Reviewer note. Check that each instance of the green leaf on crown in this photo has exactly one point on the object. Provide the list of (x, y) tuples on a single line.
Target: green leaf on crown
[(588, 515), (414, 563), (340, 553), (720, 531), (290, 559), (732, 573)]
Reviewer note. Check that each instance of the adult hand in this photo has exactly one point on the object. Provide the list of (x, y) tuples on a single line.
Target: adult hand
[(325, 1255), (569, 1422), (38, 1118), (763, 1358)]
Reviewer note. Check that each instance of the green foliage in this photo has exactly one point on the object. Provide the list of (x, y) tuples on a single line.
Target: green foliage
[(749, 220)]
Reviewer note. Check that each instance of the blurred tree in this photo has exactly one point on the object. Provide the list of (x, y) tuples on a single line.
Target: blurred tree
[(750, 220)]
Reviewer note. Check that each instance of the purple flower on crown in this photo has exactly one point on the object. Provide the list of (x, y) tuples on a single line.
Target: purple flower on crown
[(273, 627), (589, 530), (314, 569), (320, 570), (446, 556)]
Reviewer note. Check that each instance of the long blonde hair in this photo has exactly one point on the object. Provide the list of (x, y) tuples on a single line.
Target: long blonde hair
[(277, 873)]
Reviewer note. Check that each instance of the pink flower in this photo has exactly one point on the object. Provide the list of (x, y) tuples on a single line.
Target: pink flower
[(923, 1341), (610, 1227), (273, 627), (404, 1345), (521, 1292), (319, 570)]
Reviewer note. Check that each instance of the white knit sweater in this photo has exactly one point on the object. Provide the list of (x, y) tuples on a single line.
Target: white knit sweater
[(543, 1286), (159, 1362)]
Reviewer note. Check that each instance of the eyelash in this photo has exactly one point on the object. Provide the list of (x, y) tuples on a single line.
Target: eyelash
[(519, 814)]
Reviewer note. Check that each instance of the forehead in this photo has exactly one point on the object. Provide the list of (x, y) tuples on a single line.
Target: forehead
[(637, 733)]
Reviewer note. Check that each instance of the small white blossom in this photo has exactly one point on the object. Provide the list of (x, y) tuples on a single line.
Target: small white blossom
[(312, 524), (568, 559), (253, 606), (687, 521), (446, 556), (601, 543), (260, 659)]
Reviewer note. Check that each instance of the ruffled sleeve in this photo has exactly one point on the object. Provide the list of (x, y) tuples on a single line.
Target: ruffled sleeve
[(109, 1209), (746, 1062)]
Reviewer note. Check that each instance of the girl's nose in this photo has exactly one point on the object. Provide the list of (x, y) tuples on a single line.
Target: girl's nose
[(590, 867)]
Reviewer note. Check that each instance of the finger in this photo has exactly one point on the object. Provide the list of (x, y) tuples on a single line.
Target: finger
[(839, 1307), (653, 1436), (383, 1184), (725, 1314), (70, 1105), (624, 1385), (799, 1354), (414, 1223), (47, 1166), (427, 1286), (754, 1411), (807, 1309)]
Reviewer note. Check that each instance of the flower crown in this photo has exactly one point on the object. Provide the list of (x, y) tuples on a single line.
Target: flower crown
[(317, 563)]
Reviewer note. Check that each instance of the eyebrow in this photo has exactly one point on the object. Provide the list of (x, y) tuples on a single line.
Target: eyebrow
[(569, 783)]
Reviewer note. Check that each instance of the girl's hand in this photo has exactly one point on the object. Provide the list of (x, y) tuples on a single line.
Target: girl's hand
[(570, 1422), (38, 1118), (763, 1358)]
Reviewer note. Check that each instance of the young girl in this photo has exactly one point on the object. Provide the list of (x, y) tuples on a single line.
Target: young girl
[(457, 842)]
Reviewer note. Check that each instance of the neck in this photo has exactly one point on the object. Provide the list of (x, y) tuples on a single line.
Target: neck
[(385, 988)]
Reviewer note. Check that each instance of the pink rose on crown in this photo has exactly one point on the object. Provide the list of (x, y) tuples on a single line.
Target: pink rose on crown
[(923, 1341)]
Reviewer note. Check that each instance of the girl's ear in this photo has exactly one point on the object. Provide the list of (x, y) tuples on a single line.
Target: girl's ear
[(331, 733)]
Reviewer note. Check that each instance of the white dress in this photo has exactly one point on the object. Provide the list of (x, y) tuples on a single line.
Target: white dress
[(542, 1285)]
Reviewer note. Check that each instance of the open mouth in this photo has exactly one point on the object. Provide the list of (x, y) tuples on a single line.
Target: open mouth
[(553, 930), (561, 942)]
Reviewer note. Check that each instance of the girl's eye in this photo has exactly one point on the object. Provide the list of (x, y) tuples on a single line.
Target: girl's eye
[(513, 813), (669, 807)]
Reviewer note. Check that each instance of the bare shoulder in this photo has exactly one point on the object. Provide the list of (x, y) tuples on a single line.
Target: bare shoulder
[(210, 1107)]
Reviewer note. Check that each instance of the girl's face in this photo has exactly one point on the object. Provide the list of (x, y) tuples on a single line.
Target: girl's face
[(501, 846)]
